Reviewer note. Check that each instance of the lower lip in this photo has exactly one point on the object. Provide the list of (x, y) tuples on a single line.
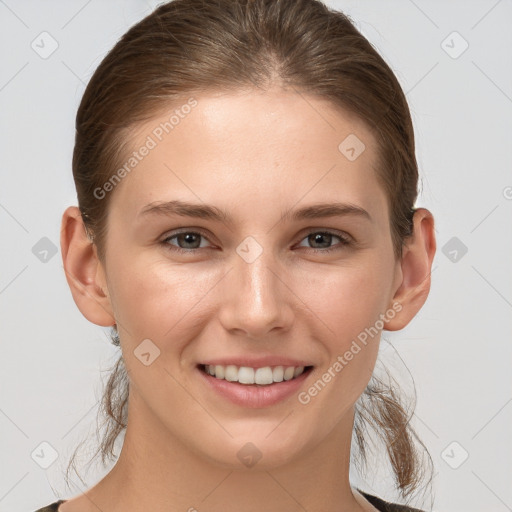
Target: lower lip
[(254, 395)]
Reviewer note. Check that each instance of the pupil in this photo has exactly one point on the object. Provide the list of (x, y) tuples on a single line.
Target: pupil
[(318, 238), (189, 238)]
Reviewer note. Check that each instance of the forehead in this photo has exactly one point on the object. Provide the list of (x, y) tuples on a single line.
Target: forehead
[(273, 147)]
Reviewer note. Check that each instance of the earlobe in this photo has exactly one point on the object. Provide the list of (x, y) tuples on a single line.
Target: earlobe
[(83, 270), (415, 269)]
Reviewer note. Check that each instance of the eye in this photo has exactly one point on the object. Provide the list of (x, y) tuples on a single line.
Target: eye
[(190, 239), (324, 238)]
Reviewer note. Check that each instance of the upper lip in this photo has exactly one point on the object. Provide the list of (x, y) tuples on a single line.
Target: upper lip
[(257, 362)]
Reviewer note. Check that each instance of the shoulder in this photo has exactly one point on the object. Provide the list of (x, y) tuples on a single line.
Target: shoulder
[(386, 506), (53, 507)]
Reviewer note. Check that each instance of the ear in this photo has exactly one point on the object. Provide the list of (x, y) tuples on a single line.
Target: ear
[(413, 272), (84, 271)]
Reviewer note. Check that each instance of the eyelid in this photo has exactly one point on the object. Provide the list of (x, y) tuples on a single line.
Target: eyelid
[(346, 241), (173, 232), (331, 231)]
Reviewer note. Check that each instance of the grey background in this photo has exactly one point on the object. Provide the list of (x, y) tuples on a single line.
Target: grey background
[(458, 348)]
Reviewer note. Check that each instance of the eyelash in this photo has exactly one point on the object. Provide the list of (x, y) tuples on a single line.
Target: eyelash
[(345, 241)]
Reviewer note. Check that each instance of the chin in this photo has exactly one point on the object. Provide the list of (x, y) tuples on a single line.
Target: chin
[(258, 451)]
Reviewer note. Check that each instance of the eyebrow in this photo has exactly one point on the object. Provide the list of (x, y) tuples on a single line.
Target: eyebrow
[(210, 212)]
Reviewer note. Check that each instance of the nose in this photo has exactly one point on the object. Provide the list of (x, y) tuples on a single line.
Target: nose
[(256, 299)]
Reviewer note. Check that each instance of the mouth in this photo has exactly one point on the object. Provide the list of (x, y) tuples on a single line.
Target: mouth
[(250, 387), (248, 376)]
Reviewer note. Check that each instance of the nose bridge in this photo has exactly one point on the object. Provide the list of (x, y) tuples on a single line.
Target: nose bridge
[(256, 274), (256, 303)]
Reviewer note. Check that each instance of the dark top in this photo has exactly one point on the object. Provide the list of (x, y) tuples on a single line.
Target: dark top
[(378, 503)]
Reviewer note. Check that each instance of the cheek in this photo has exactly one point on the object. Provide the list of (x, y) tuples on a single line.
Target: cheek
[(349, 299), (158, 301), (349, 303)]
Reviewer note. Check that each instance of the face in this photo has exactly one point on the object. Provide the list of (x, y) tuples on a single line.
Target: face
[(245, 279)]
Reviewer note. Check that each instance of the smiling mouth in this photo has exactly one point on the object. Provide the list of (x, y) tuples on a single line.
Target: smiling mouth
[(264, 376)]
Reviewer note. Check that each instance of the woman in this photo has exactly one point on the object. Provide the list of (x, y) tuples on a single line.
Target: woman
[(246, 180)]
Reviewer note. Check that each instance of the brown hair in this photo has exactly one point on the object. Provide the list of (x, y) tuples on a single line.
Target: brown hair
[(186, 47)]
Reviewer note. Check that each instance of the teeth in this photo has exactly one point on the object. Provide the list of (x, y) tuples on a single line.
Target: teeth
[(289, 373), (219, 370), (230, 373), (264, 376), (246, 375), (278, 374)]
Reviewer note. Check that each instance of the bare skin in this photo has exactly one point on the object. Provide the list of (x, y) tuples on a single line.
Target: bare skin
[(257, 156)]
